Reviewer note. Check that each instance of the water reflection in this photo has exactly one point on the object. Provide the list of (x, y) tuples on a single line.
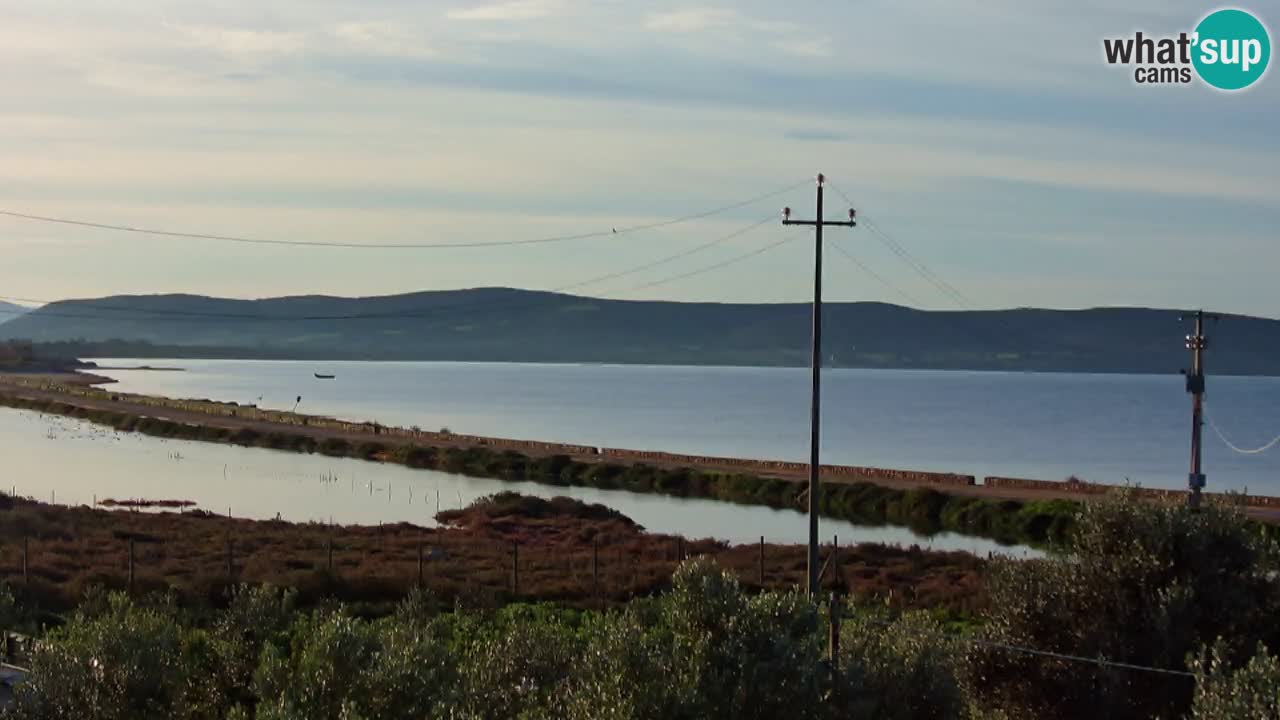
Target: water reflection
[(73, 462)]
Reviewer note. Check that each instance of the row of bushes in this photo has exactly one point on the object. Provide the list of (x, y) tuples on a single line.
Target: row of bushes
[(925, 510), (707, 649), (1151, 611)]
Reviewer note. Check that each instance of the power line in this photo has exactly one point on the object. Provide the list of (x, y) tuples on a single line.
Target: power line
[(399, 246), (914, 263), (1082, 659), (1060, 656), (1243, 451), (716, 266), (923, 270), (662, 261), (874, 275), (422, 312)]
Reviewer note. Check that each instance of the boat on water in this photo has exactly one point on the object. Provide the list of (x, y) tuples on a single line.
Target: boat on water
[(320, 376)]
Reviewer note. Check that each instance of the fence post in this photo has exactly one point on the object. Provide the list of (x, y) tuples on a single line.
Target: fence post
[(419, 564), (130, 566), (515, 568), (833, 640), (680, 549), (836, 576), (761, 562), (230, 562)]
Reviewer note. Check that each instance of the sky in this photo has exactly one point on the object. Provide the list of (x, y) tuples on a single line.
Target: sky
[(990, 140)]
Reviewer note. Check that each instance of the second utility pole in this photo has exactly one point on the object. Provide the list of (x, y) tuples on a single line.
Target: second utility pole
[(815, 413), (1196, 343)]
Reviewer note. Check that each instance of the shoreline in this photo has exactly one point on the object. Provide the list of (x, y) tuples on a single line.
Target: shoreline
[(726, 366), (993, 487), (770, 482)]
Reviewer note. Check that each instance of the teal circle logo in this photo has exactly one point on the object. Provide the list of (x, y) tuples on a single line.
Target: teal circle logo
[(1232, 49)]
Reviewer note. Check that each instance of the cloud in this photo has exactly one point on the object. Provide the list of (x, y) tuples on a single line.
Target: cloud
[(816, 136), (506, 11), (805, 47), (240, 43), (691, 20), (383, 38), (782, 36)]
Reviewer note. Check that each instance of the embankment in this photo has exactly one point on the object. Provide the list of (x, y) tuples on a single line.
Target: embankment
[(921, 507), (1085, 489)]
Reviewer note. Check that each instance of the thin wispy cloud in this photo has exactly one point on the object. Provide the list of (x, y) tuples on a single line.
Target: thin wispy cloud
[(384, 39), (783, 36), (240, 43), (508, 11), (691, 20)]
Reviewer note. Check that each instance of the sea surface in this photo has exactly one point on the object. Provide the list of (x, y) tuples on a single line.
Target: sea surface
[(1102, 428)]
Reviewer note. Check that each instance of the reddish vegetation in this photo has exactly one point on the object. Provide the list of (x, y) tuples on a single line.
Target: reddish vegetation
[(71, 549), (143, 503)]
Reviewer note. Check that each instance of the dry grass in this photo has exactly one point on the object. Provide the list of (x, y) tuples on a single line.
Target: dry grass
[(73, 549)]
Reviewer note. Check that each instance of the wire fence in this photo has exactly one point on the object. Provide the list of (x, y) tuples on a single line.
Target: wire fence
[(579, 565)]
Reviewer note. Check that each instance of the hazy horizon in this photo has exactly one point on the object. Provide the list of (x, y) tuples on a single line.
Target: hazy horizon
[(589, 296)]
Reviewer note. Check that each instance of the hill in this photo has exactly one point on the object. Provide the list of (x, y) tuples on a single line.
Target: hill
[(8, 311), (500, 324)]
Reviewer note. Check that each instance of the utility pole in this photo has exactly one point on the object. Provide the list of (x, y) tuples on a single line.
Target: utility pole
[(1196, 343), (815, 363)]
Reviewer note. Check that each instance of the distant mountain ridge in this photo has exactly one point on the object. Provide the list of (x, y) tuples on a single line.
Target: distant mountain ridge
[(503, 324), (9, 311)]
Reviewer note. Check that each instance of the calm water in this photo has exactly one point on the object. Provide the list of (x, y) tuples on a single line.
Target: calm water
[(69, 462), (1104, 428)]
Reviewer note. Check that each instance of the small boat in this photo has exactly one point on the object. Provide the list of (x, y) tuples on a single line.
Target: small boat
[(323, 377)]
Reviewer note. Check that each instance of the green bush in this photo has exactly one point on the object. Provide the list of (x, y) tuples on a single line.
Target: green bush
[(706, 649), (1224, 692), (904, 670), (1141, 583), (129, 663), (335, 447), (518, 666)]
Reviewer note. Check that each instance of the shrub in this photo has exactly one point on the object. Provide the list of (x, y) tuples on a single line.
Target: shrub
[(1251, 692), (905, 670), (516, 667), (125, 664), (1139, 582), (255, 617)]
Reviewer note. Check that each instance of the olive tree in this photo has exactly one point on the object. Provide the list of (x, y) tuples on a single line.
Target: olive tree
[(1250, 692), (1140, 582), (124, 664)]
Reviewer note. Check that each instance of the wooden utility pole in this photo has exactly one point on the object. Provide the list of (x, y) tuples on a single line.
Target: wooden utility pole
[(815, 362), (1196, 343)]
